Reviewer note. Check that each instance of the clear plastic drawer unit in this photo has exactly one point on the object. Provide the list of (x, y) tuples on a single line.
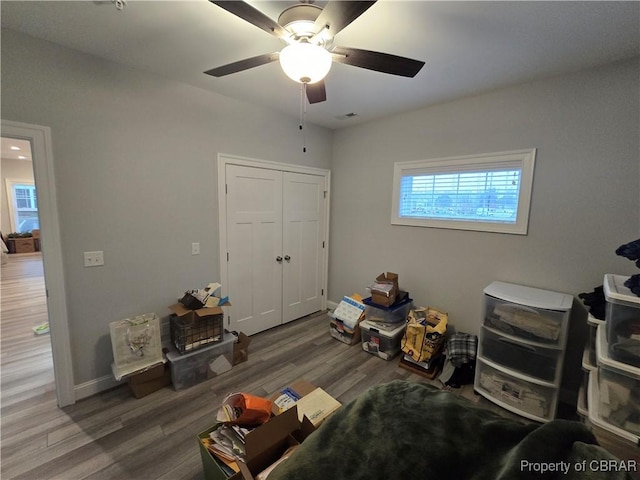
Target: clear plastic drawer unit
[(521, 348)]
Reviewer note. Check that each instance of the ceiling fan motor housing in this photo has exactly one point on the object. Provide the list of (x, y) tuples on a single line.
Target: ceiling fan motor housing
[(299, 20)]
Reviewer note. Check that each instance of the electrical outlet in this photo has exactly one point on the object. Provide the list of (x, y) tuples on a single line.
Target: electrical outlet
[(93, 259), (195, 249)]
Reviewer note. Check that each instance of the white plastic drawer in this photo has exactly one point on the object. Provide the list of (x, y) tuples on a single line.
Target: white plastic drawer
[(531, 324), (527, 359), (525, 398)]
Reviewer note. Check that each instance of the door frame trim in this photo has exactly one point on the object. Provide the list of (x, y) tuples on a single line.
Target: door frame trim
[(227, 159), (51, 247)]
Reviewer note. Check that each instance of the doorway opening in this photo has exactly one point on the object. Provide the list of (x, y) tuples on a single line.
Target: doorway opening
[(42, 268)]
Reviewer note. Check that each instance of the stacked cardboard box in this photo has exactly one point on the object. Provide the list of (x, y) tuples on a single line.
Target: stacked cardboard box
[(149, 381), (345, 322), (384, 290)]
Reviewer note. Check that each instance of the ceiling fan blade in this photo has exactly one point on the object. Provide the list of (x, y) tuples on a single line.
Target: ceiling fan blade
[(251, 15), (337, 14), (245, 64), (316, 92), (380, 62)]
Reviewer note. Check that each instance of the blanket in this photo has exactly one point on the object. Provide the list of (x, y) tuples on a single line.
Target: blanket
[(404, 430)]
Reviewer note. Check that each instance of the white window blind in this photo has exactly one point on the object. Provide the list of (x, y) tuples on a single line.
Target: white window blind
[(487, 192)]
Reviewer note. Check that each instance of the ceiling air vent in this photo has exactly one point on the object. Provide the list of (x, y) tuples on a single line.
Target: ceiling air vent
[(347, 116)]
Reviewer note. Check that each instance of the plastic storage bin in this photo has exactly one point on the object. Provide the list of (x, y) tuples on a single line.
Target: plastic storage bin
[(619, 389), (622, 320), (387, 318), (385, 344), (528, 399), (203, 364), (531, 360)]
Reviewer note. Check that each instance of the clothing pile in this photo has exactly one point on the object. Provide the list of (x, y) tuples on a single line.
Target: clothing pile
[(460, 365), (631, 251)]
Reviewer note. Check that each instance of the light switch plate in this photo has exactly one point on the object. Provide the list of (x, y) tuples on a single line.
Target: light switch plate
[(195, 249)]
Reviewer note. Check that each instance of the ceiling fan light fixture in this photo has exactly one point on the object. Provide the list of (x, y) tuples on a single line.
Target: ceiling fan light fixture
[(305, 62)]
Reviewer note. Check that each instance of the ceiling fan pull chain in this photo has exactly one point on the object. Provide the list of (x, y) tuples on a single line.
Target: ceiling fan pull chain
[(304, 120), (302, 91), (303, 115)]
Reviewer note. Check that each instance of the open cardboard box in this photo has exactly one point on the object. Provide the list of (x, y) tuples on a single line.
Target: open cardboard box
[(341, 332), (189, 316), (386, 298), (264, 445)]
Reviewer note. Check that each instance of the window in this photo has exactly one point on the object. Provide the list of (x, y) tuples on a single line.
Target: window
[(24, 203), (489, 192)]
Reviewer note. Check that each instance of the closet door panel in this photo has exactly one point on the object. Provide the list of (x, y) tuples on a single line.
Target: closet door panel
[(254, 240), (303, 220)]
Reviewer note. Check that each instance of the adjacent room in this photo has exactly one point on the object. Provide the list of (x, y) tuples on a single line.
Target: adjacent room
[(481, 152)]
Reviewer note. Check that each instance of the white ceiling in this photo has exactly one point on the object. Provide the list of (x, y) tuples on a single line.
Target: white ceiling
[(15, 149), (468, 47)]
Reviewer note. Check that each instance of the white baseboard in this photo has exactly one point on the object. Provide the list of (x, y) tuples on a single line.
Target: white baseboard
[(331, 305), (95, 386)]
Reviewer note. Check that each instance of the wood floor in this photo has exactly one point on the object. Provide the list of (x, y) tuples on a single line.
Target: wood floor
[(115, 436)]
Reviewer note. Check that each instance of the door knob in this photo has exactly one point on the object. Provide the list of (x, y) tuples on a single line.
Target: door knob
[(278, 258), (287, 258)]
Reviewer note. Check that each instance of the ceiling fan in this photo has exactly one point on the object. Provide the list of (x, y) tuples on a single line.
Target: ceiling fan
[(309, 31)]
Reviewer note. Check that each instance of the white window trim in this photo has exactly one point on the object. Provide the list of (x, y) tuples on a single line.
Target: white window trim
[(524, 159)]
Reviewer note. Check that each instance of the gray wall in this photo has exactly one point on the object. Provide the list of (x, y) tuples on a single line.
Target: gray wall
[(12, 170), (585, 127), (135, 169)]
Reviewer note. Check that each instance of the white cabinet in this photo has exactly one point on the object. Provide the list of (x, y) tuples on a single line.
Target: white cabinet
[(521, 348)]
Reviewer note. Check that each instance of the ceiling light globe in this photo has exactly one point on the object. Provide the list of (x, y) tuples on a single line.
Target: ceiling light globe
[(305, 62)]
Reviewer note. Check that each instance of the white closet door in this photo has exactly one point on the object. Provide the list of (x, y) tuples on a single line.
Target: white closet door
[(303, 210), (254, 243)]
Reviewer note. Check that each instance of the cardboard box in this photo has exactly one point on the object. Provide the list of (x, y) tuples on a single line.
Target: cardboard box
[(312, 402), (300, 387), (150, 381), (384, 298), (264, 445), (344, 334), (151, 373), (241, 349), (189, 316), (24, 245)]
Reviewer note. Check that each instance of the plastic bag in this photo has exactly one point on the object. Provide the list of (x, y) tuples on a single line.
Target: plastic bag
[(244, 409), (425, 333)]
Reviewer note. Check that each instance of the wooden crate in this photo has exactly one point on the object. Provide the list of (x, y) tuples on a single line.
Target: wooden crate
[(24, 245)]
